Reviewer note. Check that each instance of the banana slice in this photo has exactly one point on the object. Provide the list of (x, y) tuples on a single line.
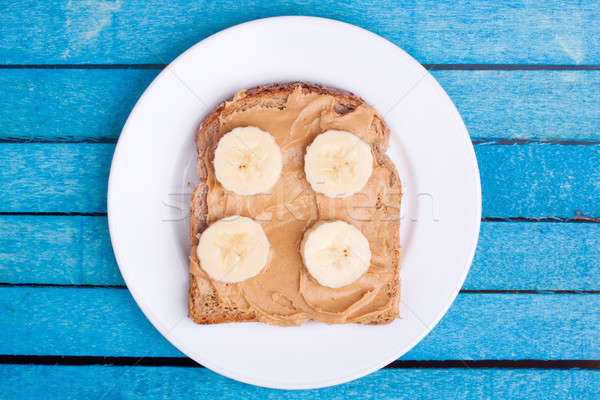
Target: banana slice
[(247, 161), (338, 164), (335, 253), (233, 249)]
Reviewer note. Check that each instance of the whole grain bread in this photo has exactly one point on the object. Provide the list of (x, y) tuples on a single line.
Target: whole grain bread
[(203, 302)]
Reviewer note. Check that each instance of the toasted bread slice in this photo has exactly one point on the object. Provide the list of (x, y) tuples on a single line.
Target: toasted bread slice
[(206, 305)]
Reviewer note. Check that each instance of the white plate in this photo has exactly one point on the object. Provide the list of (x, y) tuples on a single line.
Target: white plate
[(152, 177)]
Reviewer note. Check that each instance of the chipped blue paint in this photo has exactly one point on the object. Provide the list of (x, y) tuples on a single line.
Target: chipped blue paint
[(109, 31)]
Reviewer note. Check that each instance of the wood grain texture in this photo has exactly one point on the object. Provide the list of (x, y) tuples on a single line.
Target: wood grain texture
[(533, 180), (57, 250), (542, 105), (42, 104), (106, 322), (538, 256), (53, 177), (68, 382), (93, 104), (539, 179), (155, 32), (76, 250)]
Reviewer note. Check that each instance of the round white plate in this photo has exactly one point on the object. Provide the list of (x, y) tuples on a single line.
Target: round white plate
[(153, 175)]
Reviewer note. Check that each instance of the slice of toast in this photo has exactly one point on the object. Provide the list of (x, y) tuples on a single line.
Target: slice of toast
[(207, 305)]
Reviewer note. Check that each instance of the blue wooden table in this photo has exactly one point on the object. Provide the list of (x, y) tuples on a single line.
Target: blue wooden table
[(526, 78)]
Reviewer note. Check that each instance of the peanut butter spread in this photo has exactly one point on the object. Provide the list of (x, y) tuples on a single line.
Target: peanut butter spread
[(284, 293)]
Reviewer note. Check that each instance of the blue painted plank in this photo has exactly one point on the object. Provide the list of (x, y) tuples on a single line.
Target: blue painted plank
[(106, 322), (526, 104), (536, 256), (68, 104), (57, 250), (534, 180), (510, 255), (70, 382), (93, 104), (53, 177), (539, 180), (155, 32)]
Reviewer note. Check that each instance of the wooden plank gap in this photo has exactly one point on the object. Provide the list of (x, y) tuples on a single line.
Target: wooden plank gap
[(432, 67), (512, 67), (187, 362)]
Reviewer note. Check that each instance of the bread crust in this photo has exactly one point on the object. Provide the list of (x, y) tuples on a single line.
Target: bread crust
[(203, 304)]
